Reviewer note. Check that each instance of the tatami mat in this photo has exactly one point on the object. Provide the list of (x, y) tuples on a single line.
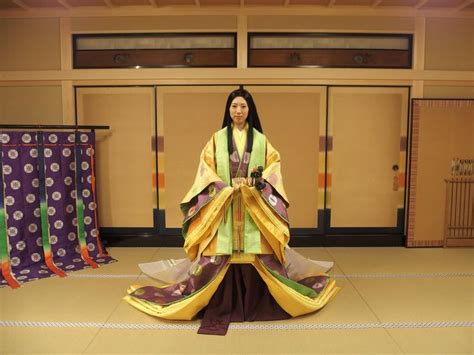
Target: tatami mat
[(373, 341), (434, 341), (393, 300), (375, 260), (420, 299)]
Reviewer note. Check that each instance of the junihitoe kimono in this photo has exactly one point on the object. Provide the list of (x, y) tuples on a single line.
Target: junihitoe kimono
[(239, 266)]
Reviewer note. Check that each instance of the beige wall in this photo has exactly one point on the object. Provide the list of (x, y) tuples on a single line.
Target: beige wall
[(449, 44), (31, 104), (332, 23), (162, 23), (30, 44), (458, 92)]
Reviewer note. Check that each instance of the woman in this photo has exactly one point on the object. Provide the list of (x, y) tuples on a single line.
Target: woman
[(236, 232)]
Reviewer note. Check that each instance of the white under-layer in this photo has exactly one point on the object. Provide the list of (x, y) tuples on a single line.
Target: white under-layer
[(172, 271)]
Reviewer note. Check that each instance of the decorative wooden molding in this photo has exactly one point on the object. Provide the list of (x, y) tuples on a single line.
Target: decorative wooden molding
[(413, 173), (463, 5), (66, 43), (425, 243), (419, 43), (64, 3), (420, 4), (308, 75), (242, 49), (376, 3), (109, 3), (293, 10), (394, 7), (21, 4), (443, 103), (417, 89)]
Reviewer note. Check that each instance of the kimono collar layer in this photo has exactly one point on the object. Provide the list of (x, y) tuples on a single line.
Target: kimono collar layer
[(240, 138), (252, 243)]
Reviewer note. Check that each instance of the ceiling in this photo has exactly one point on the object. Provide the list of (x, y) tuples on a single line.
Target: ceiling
[(461, 6)]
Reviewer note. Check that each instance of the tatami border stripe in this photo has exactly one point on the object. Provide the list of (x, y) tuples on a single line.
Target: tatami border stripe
[(242, 326), (336, 276)]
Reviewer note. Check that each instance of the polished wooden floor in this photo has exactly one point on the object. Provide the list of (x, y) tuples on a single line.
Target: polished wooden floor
[(393, 301)]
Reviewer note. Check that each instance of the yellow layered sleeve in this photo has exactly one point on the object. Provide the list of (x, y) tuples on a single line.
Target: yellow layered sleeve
[(206, 173), (204, 224), (272, 172)]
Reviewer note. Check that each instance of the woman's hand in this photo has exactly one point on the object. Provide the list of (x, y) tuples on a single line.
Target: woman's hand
[(238, 182), (250, 181), (256, 179)]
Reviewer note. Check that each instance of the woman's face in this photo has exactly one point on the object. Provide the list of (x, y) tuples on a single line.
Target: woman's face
[(239, 111)]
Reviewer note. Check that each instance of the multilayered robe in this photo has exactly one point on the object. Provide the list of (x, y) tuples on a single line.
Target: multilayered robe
[(226, 227)]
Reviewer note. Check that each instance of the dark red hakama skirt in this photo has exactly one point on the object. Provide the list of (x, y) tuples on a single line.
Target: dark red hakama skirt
[(242, 296)]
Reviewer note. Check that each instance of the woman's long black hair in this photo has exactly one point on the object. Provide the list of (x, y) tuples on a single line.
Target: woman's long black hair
[(253, 120)]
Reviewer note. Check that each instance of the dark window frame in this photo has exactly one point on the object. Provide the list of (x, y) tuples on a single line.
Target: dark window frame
[(407, 36), (233, 63)]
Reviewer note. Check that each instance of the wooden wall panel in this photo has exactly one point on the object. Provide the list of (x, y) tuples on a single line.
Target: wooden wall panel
[(442, 130), (125, 159)]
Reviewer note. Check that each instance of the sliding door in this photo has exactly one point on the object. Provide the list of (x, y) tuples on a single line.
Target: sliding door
[(366, 160), (125, 158)]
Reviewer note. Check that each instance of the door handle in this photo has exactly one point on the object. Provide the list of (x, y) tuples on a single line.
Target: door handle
[(396, 181)]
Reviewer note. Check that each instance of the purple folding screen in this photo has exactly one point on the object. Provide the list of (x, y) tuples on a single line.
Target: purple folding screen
[(48, 208)]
